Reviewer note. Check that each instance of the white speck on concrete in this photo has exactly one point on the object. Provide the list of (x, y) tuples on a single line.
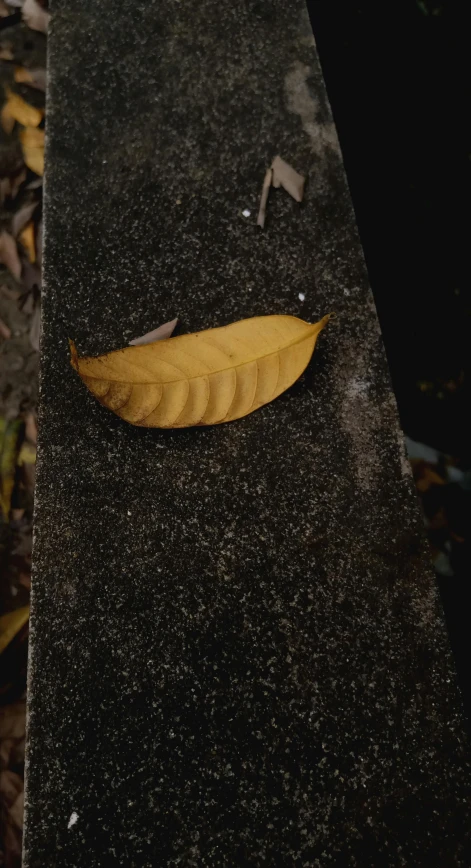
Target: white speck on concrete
[(246, 212), (346, 292), (301, 296), (357, 386), (73, 819), (404, 459), (129, 512)]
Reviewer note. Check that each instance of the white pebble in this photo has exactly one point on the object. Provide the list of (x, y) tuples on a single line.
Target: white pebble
[(246, 212), (301, 296), (73, 819)]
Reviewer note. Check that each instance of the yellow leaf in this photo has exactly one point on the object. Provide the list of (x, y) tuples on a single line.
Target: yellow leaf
[(22, 111), (11, 624), (206, 378), (32, 142), (28, 242)]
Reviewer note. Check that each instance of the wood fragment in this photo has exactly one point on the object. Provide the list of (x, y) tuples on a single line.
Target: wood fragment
[(285, 176), (267, 182), (280, 174)]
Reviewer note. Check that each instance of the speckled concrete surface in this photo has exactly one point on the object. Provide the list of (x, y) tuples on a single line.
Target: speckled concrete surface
[(237, 655)]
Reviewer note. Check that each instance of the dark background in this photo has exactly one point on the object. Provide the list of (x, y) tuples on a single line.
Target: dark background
[(398, 76)]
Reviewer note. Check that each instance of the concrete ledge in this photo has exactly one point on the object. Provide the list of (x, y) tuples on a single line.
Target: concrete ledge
[(237, 656)]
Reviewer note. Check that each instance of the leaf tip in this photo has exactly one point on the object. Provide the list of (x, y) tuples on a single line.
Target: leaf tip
[(317, 327), (73, 355)]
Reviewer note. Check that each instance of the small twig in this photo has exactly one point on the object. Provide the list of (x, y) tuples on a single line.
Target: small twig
[(267, 182)]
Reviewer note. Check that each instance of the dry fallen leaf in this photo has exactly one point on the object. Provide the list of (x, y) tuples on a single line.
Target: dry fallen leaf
[(4, 189), (6, 119), (10, 786), (10, 624), (205, 378), (11, 294), (22, 217), (11, 844), (32, 142), (27, 239), (6, 53), (16, 811), (22, 75), (10, 434), (16, 181), (34, 77), (30, 278), (35, 328), (280, 174), (9, 254), (12, 721), (33, 185), (31, 428), (159, 334), (35, 16), (5, 331), (22, 111), (39, 243), (6, 748)]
